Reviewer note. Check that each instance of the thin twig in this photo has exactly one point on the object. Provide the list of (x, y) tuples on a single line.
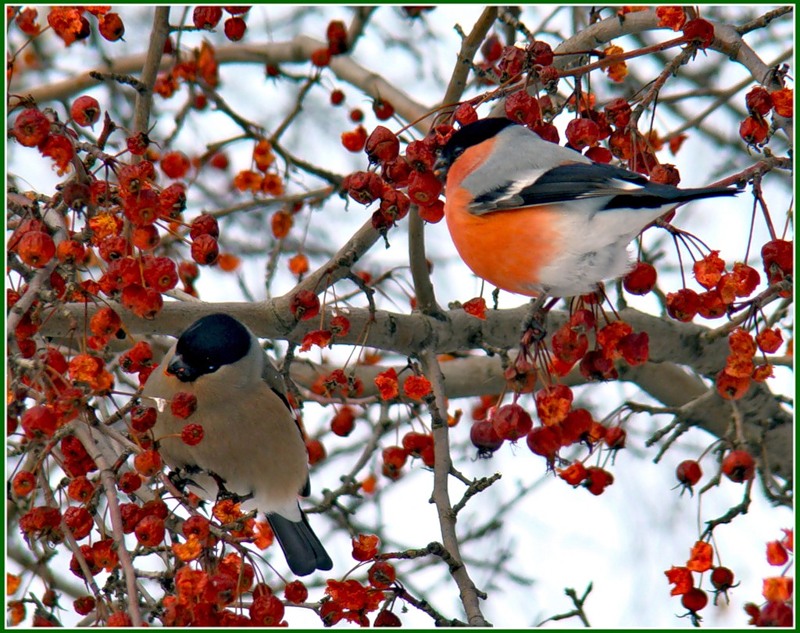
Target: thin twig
[(441, 472)]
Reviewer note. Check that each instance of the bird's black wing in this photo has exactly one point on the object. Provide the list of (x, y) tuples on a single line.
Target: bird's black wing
[(578, 181), (275, 381)]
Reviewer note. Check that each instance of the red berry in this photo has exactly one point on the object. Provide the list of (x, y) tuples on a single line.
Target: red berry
[(79, 520), (80, 489), (597, 480), (147, 463), (783, 102), (424, 188), (383, 109), (175, 164), (105, 322), (695, 599), (777, 258), (688, 472), (305, 305), (492, 48), (343, 422), (85, 111), (758, 101), (574, 474), (769, 340), (205, 250), (754, 131), (722, 578), (700, 31), (84, 605), (582, 133), (321, 57), (336, 35), (316, 451), (136, 145), (204, 224), (545, 441), (296, 592), (540, 53), (523, 108), (432, 213), (143, 418), (394, 458), (111, 26), (145, 238), (381, 575), (485, 438), (415, 442), (511, 422), (24, 483), (38, 421), (36, 249), (129, 482), (235, 28), (615, 438), (183, 405), (337, 97), (683, 305), (206, 18), (382, 145), (738, 466), (641, 279), (150, 531), (355, 140), (31, 127), (618, 113), (387, 618)]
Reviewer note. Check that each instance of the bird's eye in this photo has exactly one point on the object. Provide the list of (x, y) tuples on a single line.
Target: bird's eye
[(211, 368)]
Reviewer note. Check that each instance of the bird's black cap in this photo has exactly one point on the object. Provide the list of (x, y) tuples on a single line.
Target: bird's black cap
[(208, 344), (466, 137)]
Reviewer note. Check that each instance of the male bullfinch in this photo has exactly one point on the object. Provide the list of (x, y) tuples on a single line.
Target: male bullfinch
[(252, 442), (532, 217)]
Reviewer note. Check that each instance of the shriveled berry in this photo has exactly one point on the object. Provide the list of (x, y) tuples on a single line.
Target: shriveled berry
[(31, 127), (206, 18)]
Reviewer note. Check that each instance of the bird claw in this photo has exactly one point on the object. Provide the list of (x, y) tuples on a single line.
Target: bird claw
[(534, 325)]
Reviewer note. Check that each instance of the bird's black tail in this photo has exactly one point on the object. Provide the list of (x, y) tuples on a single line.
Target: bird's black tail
[(685, 195), (301, 547), (655, 195)]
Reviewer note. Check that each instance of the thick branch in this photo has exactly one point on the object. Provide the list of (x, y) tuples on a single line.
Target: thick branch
[(673, 347)]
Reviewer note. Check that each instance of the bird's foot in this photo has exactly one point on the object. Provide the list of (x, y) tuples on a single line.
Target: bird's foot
[(533, 328), (223, 494)]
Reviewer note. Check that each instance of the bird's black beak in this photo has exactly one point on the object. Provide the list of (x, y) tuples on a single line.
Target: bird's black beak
[(181, 370), (440, 168)]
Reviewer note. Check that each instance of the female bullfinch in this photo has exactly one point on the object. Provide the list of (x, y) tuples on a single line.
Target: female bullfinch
[(532, 217), (252, 443)]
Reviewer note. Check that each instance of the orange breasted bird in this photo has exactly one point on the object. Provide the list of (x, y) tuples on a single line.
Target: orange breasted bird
[(533, 218)]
